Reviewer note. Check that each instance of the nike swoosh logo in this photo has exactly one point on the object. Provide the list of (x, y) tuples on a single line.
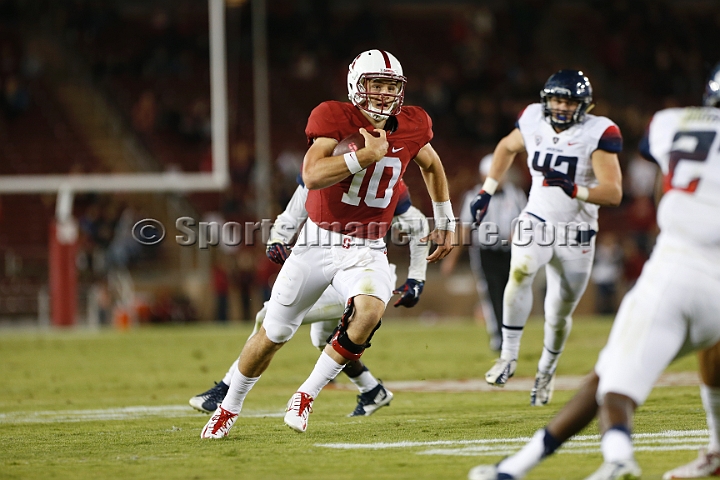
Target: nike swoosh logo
[(395, 150), (585, 251), (573, 143)]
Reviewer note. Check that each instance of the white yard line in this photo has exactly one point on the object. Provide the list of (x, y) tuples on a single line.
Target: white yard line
[(584, 444)]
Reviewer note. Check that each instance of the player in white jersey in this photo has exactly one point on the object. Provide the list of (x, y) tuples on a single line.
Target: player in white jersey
[(572, 157), (671, 311), (323, 316)]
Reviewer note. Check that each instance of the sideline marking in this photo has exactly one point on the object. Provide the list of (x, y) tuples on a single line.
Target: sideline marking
[(562, 382), (124, 413)]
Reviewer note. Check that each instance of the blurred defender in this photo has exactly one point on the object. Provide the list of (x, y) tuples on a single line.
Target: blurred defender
[(671, 311), (350, 206), (572, 157), (323, 316)]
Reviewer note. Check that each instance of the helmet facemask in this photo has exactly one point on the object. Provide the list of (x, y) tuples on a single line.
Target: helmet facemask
[(712, 89), (379, 105), (563, 119)]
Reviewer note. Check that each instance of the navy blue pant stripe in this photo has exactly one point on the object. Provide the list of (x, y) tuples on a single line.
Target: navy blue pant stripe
[(512, 328)]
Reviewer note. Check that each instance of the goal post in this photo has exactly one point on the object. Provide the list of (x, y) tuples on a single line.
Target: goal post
[(217, 179), (63, 243)]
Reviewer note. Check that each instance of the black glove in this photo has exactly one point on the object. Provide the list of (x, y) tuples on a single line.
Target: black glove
[(553, 178), (479, 206), (410, 293), (277, 252)]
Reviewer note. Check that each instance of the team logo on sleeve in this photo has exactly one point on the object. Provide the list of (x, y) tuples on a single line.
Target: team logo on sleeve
[(538, 139)]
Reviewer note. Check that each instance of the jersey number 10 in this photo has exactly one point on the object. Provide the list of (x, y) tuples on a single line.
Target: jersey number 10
[(351, 197)]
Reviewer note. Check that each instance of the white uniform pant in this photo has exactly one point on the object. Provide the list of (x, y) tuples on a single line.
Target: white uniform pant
[(324, 259), (672, 310), (567, 268), (323, 317)]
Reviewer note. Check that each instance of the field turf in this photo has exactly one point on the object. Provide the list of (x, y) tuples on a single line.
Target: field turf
[(113, 404)]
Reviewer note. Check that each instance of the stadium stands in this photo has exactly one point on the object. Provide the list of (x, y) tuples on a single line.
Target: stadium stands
[(472, 67)]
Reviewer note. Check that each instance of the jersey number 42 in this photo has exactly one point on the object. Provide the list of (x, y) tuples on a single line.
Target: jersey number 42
[(559, 160)]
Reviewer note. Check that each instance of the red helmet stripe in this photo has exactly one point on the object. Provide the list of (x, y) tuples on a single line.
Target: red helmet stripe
[(387, 59), (354, 61)]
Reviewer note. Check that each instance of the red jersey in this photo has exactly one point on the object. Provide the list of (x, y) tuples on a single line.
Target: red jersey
[(363, 204)]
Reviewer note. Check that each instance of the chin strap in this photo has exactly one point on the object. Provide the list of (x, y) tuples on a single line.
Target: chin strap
[(378, 117)]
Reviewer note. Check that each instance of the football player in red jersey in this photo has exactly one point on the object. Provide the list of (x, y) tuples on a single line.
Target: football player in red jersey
[(323, 316), (350, 208)]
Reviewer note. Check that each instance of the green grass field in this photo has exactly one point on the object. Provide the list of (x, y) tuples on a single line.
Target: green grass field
[(69, 408)]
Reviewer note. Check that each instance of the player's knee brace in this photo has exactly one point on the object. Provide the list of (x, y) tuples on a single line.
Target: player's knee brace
[(340, 341), (348, 349)]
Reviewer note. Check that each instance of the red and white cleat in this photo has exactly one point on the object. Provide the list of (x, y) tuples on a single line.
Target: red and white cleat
[(219, 424), (298, 409), (706, 465)]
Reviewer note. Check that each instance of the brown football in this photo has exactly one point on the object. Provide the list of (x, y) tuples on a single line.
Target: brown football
[(351, 143)]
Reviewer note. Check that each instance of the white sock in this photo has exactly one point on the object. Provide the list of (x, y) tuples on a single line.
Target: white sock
[(616, 445), (365, 381), (240, 385), (548, 361), (510, 344), (517, 304), (231, 371), (557, 330), (711, 401), (519, 464), (325, 370)]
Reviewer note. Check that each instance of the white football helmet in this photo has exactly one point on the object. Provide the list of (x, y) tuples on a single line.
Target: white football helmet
[(370, 65)]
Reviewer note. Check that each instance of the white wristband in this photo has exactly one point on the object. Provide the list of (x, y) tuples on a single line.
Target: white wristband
[(444, 216), (352, 163), (582, 193), (490, 185)]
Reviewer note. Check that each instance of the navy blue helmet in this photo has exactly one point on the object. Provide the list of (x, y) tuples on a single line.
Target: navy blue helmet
[(571, 84), (712, 88)]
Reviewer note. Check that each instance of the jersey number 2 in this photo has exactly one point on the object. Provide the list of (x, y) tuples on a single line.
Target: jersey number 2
[(691, 146), (351, 197)]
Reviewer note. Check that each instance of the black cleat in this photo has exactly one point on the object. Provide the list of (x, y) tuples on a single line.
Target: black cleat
[(369, 402), (207, 402)]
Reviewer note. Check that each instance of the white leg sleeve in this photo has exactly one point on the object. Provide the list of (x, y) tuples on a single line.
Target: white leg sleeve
[(711, 402), (518, 298), (567, 279), (233, 368)]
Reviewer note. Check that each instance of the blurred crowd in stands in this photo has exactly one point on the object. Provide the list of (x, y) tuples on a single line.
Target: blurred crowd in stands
[(472, 65)]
